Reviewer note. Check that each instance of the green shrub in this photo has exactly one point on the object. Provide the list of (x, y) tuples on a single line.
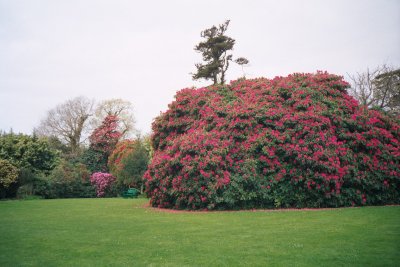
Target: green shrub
[(94, 160), (25, 191), (8, 176), (28, 152), (67, 180), (33, 156), (42, 187), (8, 173)]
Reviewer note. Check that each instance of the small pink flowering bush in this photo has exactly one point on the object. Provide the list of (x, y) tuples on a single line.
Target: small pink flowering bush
[(103, 182), (296, 141)]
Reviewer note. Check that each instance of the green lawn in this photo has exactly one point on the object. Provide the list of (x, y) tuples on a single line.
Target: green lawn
[(121, 232)]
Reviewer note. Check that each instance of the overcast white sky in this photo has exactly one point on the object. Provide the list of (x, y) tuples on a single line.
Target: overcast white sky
[(142, 51)]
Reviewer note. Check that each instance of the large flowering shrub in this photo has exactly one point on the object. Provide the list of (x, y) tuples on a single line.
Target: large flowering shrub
[(106, 136), (103, 182), (296, 141), (102, 143)]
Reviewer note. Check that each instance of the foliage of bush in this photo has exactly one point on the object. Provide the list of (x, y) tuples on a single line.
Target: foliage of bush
[(122, 149), (68, 180), (25, 191), (28, 152), (104, 183), (296, 141), (8, 173), (128, 163), (8, 176), (94, 160)]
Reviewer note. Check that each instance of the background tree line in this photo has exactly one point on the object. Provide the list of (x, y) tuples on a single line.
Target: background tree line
[(378, 88), (72, 142)]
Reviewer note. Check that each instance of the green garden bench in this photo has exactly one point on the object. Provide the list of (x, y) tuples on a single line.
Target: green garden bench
[(130, 193)]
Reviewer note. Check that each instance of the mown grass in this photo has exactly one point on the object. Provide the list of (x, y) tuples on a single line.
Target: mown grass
[(122, 232)]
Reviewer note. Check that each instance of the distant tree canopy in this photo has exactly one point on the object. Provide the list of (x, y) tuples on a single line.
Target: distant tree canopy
[(378, 88), (23, 159), (69, 124), (116, 107), (215, 54), (242, 61), (68, 121), (56, 162), (388, 90), (27, 152)]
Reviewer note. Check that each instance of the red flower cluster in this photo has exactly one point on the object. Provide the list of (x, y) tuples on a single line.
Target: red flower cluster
[(105, 137), (296, 141)]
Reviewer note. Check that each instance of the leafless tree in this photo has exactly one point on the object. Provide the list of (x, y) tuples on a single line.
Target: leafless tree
[(379, 87), (68, 122), (117, 107)]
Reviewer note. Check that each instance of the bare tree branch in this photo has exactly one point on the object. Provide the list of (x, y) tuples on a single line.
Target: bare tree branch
[(68, 122), (377, 88), (116, 107)]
